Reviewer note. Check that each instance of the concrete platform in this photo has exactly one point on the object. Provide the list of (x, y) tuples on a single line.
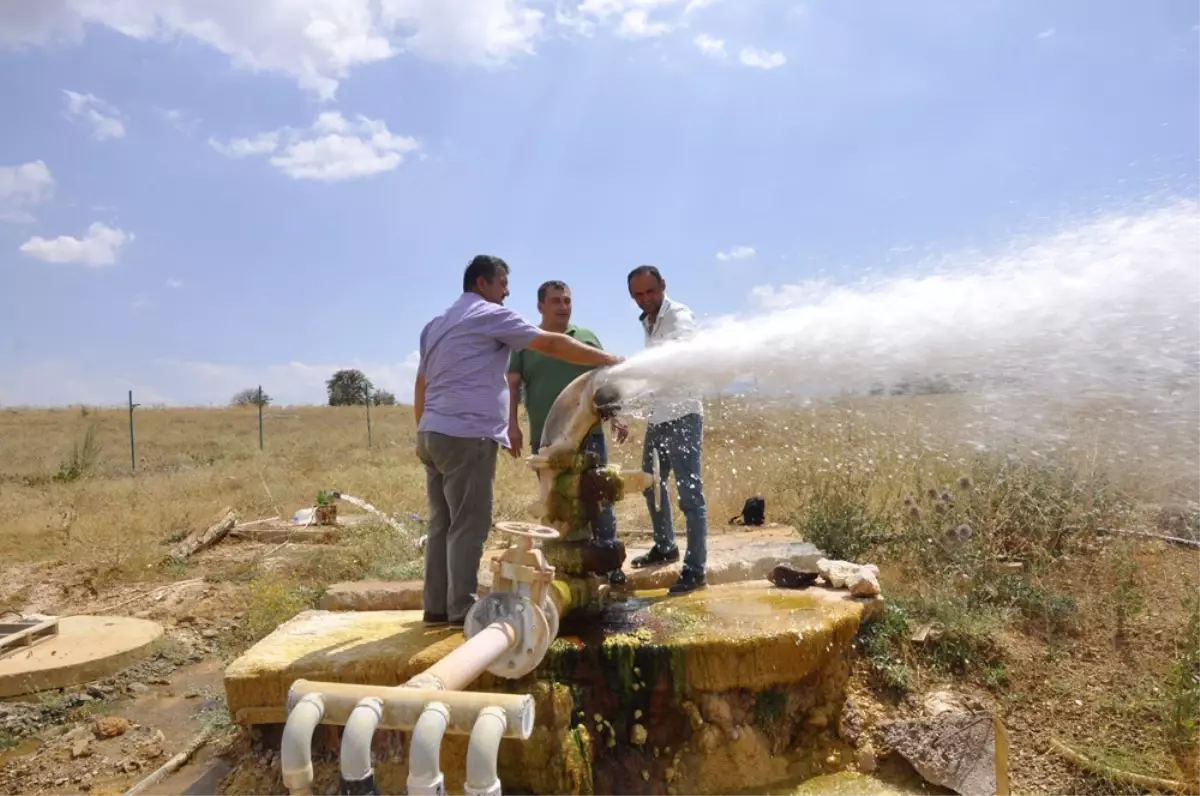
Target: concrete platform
[(733, 556), (698, 691), (87, 648), (738, 635), (284, 531)]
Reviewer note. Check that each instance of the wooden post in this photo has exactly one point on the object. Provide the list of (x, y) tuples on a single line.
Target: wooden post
[(260, 426)]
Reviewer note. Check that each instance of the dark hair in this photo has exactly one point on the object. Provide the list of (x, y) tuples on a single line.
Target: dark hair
[(484, 265), (553, 283), (642, 270)]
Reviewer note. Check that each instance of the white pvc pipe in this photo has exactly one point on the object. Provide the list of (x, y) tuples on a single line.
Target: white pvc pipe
[(424, 755), (482, 751), (295, 753), (464, 665), (356, 739)]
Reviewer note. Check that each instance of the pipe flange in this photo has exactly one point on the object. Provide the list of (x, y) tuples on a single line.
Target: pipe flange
[(550, 611), (530, 623)]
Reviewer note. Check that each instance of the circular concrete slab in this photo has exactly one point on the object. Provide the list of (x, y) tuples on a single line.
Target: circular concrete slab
[(87, 648)]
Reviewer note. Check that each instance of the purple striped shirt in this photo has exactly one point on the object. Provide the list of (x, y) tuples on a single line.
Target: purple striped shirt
[(464, 356)]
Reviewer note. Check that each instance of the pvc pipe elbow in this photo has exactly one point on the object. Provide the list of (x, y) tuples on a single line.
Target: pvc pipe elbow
[(356, 739), (424, 763), (482, 751), (295, 753)]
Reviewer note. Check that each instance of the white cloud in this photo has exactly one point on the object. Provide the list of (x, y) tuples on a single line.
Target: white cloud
[(695, 5), (712, 47), (98, 247), (484, 32), (761, 59), (104, 118), (22, 187), (633, 19), (174, 284), (332, 149), (1045, 34), (190, 383), (737, 253), (261, 144), (181, 120), (315, 42)]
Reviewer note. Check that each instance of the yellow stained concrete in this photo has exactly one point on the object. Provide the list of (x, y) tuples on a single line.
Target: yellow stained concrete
[(375, 647), (87, 648)]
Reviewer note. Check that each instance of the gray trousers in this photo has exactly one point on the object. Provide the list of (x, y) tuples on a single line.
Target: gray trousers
[(459, 477)]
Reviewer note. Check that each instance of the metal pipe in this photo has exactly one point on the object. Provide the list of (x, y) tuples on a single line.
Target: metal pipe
[(295, 753), (357, 772), (402, 706), (462, 666), (482, 751), (424, 754)]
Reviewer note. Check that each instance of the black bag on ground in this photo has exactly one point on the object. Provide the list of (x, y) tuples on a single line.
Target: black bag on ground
[(753, 513)]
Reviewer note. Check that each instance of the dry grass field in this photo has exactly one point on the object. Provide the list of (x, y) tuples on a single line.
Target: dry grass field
[(1006, 558)]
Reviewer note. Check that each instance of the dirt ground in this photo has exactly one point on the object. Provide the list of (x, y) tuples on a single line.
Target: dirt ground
[(104, 737)]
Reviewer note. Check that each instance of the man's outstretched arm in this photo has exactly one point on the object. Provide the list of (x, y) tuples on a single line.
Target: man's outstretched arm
[(568, 349)]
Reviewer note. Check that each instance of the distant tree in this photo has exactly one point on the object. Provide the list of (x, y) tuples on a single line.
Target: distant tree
[(249, 397), (384, 398), (348, 387)]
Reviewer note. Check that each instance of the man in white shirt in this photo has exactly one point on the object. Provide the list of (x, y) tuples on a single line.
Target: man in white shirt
[(674, 434)]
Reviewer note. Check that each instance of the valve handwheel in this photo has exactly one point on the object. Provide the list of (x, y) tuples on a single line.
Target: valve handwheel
[(530, 530)]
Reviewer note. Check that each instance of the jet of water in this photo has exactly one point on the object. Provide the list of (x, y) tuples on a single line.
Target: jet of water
[(1107, 310)]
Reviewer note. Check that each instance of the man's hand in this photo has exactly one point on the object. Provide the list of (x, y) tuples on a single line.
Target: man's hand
[(620, 430), (515, 440)]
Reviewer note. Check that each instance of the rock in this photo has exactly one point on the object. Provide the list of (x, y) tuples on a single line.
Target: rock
[(865, 758), (111, 726), (943, 701), (638, 736), (81, 748), (863, 583), (137, 688), (208, 633), (374, 595), (955, 750), (841, 574)]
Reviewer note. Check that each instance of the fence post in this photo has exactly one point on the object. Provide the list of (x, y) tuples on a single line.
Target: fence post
[(368, 392), (132, 445), (260, 426)]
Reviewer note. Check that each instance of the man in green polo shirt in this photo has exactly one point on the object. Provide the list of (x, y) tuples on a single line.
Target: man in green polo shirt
[(543, 379)]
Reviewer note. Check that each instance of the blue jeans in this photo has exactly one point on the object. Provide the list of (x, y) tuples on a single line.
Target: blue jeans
[(678, 444), (604, 527)]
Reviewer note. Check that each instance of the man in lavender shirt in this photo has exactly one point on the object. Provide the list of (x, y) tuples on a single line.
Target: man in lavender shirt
[(461, 406)]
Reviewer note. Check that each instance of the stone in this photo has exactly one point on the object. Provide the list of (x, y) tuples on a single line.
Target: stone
[(865, 760), (82, 747), (838, 573), (954, 750), (863, 583), (374, 595), (111, 726)]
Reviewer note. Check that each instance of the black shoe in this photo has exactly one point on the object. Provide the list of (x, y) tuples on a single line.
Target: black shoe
[(435, 620), (616, 577), (655, 556), (688, 581)]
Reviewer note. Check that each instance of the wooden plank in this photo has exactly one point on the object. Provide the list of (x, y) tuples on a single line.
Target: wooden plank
[(22, 635)]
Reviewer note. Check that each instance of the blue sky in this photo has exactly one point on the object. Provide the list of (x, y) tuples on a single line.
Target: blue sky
[(195, 197)]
